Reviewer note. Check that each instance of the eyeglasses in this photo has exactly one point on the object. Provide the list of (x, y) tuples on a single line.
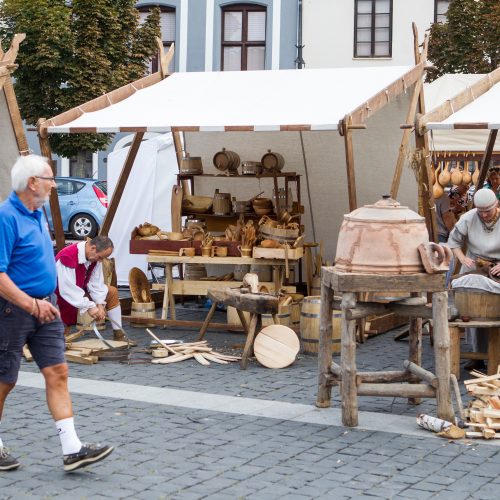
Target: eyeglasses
[(52, 179)]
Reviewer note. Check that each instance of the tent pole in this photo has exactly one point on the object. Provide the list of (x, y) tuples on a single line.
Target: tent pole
[(486, 158), (307, 185), (425, 195), (349, 158), (55, 209), (120, 186)]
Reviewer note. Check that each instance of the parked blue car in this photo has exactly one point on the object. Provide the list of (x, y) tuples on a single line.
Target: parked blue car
[(83, 204)]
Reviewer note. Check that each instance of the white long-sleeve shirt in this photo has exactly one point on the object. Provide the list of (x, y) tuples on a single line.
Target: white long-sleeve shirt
[(74, 295)]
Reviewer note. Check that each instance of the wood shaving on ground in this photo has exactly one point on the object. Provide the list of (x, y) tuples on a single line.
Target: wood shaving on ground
[(199, 351), (483, 412)]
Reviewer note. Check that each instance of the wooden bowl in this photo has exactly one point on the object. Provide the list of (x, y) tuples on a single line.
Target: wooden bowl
[(262, 202), (262, 211)]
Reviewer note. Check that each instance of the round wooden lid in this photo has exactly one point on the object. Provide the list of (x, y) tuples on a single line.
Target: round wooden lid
[(276, 346)]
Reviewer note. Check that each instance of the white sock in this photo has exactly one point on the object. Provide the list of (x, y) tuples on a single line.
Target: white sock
[(115, 315), (69, 440)]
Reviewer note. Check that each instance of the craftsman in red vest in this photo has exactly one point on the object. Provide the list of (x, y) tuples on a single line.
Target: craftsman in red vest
[(80, 284)]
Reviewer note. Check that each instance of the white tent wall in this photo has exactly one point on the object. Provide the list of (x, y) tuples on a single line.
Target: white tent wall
[(146, 197), (375, 154), (8, 148)]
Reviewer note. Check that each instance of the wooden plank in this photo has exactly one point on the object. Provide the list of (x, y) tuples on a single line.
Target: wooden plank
[(172, 259), (15, 117), (120, 186), (357, 282)]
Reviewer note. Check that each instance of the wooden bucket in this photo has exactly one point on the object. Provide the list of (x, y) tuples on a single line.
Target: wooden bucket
[(226, 160), (222, 204), (310, 323), (477, 304), (143, 310), (83, 322), (283, 317), (272, 162)]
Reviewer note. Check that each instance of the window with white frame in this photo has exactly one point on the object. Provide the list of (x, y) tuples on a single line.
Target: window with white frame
[(167, 28), (441, 10), (243, 37), (373, 28)]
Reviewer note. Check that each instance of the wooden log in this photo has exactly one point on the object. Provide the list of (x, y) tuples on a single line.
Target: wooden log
[(455, 338), (348, 388), (381, 377), (442, 355), (421, 373), (323, 398), (336, 369), (415, 343), (458, 396), (397, 390)]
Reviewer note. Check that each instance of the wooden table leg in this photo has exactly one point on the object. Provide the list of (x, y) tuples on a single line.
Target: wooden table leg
[(276, 321), (164, 307), (323, 398), (247, 351), (415, 344), (455, 333), (442, 355), (243, 320), (493, 350), (168, 287), (348, 388), (209, 317)]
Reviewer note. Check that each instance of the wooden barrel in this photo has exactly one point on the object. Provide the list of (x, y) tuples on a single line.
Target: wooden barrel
[(143, 310), (272, 162), (84, 322), (226, 160), (316, 286), (310, 323), (477, 304), (283, 317)]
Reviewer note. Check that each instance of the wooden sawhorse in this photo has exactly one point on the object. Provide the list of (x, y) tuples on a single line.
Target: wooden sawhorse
[(354, 383), (255, 304)]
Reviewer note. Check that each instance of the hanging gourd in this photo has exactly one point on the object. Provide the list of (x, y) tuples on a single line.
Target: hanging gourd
[(475, 175), (444, 176), (466, 176), (456, 176)]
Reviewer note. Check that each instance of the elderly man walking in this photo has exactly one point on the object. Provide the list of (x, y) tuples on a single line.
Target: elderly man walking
[(27, 308)]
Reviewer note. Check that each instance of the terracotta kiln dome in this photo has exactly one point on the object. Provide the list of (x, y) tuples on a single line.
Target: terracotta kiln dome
[(381, 239)]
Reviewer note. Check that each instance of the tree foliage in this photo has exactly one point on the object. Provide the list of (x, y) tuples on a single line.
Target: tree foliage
[(73, 52), (469, 41)]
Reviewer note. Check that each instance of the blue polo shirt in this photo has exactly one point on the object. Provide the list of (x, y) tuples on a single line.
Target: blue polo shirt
[(26, 252)]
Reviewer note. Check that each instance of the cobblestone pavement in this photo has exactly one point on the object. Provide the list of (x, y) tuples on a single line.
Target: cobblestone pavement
[(165, 451)]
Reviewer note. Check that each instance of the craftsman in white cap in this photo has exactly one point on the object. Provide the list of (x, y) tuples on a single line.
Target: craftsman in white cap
[(480, 230)]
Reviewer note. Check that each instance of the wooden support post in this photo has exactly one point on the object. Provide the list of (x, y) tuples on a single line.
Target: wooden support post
[(55, 210), (120, 186), (325, 348), (349, 158), (421, 373), (348, 388), (442, 355), (415, 346), (397, 390), (486, 158), (455, 334), (209, 317)]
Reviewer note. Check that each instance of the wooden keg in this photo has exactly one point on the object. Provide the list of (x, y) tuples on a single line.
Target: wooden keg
[(222, 204), (143, 310), (295, 308), (84, 322), (310, 323), (316, 286), (283, 317), (477, 304), (226, 160), (272, 162)]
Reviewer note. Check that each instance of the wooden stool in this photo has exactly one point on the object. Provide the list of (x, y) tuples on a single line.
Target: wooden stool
[(493, 354), (255, 304), (354, 383)]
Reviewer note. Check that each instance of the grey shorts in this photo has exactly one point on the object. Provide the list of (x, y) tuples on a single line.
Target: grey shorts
[(17, 328)]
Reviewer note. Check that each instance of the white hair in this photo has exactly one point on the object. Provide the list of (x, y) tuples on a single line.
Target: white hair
[(26, 167)]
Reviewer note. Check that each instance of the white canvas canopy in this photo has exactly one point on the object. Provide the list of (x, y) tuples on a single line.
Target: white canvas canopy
[(293, 112), (315, 99), (445, 140)]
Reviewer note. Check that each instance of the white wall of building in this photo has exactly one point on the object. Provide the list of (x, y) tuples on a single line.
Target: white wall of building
[(328, 32)]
